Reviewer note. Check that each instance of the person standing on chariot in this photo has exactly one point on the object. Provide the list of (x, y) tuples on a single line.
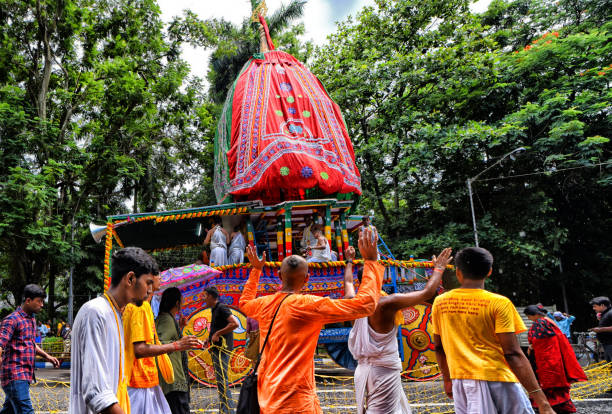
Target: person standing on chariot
[(237, 246), (321, 252), (373, 343), (367, 224), (218, 239), (286, 383)]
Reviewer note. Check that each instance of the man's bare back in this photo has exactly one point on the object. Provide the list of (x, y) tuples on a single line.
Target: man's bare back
[(382, 320)]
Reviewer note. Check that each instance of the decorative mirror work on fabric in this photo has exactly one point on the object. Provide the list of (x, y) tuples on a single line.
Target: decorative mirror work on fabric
[(280, 134)]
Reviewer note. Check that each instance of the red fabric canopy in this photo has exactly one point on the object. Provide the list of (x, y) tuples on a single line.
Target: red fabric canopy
[(286, 135)]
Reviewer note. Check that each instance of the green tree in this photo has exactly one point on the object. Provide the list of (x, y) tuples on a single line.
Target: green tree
[(433, 94), (96, 108)]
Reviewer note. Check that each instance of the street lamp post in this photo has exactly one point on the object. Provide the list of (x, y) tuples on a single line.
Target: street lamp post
[(71, 274), (471, 180)]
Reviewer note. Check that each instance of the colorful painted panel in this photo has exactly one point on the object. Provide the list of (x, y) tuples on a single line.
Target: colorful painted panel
[(200, 363), (417, 344)]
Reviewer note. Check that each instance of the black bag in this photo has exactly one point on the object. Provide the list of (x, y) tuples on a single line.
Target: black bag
[(247, 401)]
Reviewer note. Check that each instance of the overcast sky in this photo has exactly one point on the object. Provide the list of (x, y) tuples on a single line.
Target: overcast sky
[(320, 17)]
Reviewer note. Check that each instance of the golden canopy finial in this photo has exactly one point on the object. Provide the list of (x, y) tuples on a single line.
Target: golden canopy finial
[(261, 9)]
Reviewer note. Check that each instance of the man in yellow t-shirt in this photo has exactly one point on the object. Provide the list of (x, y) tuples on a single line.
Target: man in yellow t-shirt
[(146, 396), (476, 345)]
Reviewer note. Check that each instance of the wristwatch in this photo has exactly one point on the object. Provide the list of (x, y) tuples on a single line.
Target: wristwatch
[(349, 261)]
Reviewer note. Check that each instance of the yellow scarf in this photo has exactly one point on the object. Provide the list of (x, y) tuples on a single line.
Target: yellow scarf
[(122, 393)]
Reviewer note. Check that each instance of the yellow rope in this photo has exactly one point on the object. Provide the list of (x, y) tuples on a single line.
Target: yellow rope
[(336, 393)]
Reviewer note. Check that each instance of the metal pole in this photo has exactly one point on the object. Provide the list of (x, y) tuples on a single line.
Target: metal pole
[(469, 186), (70, 291), (563, 293)]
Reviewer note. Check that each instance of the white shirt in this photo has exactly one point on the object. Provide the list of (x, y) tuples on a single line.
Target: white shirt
[(308, 239), (94, 366), (322, 255)]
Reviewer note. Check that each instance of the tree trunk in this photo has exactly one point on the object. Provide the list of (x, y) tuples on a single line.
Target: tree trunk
[(379, 196), (47, 64), (51, 303)]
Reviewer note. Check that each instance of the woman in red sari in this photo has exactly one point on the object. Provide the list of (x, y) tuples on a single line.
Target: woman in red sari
[(555, 361)]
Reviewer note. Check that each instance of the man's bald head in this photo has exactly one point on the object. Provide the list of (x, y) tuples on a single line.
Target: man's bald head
[(294, 272)]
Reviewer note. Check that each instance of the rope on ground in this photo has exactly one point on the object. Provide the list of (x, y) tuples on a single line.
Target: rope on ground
[(336, 393)]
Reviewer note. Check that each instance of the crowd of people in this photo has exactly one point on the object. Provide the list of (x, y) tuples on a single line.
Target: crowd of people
[(124, 360)]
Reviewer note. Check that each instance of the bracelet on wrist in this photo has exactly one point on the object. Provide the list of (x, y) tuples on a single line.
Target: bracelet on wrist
[(534, 391), (176, 348)]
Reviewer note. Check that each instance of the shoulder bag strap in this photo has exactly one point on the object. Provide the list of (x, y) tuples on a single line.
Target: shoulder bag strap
[(268, 334)]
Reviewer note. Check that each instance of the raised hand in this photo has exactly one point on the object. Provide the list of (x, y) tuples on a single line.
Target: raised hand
[(442, 260), (368, 244), (349, 253), (255, 261)]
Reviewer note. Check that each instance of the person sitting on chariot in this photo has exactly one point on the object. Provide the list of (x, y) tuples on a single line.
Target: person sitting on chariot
[(218, 239), (321, 252), (373, 342), (308, 239)]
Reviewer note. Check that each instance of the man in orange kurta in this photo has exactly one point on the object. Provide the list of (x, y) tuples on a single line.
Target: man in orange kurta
[(286, 381)]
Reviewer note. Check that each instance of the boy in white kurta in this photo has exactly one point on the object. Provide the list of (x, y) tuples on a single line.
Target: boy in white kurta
[(97, 371), (94, 371)]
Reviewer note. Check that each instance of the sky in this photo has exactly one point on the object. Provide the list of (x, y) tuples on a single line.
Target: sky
[(320, 17)]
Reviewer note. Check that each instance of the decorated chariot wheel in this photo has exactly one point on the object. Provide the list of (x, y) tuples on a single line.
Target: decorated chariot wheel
[(200, 362), (419, 362)]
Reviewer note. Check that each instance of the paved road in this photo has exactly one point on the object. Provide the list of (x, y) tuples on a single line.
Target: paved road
[(336, 398)]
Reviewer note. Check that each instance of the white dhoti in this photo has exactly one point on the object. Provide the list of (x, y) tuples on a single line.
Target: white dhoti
[(477, 396), (148, 400), (378, 384), (218, 248), (236, 249)]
